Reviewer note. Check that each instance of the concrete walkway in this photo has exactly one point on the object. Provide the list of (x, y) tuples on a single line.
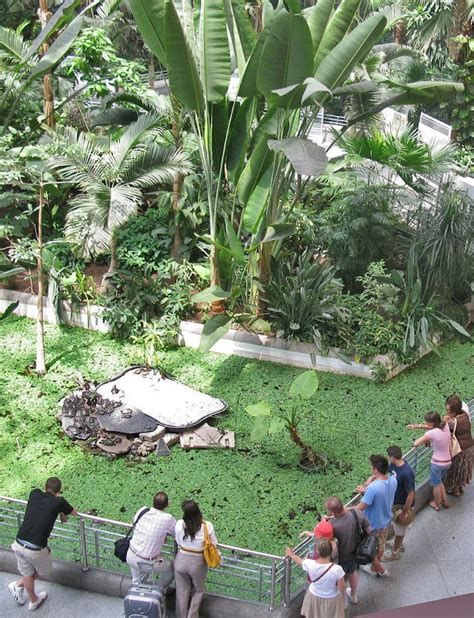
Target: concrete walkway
[(438, 563)]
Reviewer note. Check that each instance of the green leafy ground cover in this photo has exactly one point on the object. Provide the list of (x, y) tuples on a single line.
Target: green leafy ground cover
[(255, 495)]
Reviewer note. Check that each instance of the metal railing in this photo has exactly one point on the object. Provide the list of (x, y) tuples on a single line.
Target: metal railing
[(258, 577)]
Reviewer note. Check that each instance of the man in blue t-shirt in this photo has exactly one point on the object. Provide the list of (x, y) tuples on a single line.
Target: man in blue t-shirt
[(403, 511), (379, 493)]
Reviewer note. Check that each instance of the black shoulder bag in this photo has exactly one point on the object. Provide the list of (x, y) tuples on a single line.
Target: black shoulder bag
[(367, 544), (122, 545)]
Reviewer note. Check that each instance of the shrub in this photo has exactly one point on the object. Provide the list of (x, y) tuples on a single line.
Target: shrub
[(302, 296)]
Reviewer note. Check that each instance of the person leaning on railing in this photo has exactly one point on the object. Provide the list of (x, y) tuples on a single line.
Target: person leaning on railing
[(460, 473), (325, 595), (440, 437), (190, 568), (31, 545)]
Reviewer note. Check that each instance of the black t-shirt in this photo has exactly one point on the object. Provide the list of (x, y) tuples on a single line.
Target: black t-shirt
[(41, 513), (405, 482)]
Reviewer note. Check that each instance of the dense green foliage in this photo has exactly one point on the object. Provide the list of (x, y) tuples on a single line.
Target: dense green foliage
[(255, 495)]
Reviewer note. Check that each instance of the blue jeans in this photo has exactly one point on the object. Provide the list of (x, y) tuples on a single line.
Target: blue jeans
[(437, 474)]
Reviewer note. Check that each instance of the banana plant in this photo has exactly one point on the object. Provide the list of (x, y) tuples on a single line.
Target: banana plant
[(290, 69)]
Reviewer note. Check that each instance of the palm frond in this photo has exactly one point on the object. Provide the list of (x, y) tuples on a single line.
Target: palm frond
[(124, 202), (156, 165), (12, 46), (392, 51), (86, 225), (131, 137)]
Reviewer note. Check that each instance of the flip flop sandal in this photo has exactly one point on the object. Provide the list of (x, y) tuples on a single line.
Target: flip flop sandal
[(433, 506), (445, 504)]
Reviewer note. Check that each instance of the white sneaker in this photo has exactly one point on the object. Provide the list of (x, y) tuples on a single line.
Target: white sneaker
[(384, 574), (17, 593), (366, 568), (353, 597), (390, 555), (42, 596)]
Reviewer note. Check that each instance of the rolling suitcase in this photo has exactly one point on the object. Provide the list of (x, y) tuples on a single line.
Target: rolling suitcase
[(145, 601)]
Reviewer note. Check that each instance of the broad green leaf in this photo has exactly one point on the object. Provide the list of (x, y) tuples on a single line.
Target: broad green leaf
[(305, 385), (278, 231), (262, 408), (276, 425), (258, 325), (312, 88), (214, 54), (338, 64), (16, 270), (248, 80), (203, 271), (235, 245), (367, 85), (214, 329), (337, 28), (239, 139), (306, 157), (57, 51), (457, 327), (318, 17), (256, 204), (183, 74), (259, 161), (150, 19), (260, 429), (243, 36), (287, 55), (210, 295), (220, 124), (293, 6), (9, 310)]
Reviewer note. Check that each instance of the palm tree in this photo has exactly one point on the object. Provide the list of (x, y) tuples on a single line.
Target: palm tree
[(113, 178)]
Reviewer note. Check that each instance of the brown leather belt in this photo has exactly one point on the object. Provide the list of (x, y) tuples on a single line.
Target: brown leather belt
[(143, 557)]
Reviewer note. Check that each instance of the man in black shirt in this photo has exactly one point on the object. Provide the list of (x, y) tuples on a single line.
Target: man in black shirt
[(31, 545)]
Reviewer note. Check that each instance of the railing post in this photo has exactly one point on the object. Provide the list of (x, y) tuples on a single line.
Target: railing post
[(82, 536), (272, 586), (287, 582)]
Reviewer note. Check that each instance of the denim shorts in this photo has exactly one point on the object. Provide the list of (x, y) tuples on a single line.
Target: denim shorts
[(437, 474)]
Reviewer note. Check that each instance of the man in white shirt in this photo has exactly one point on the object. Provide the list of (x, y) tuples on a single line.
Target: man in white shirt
[(152, 526)]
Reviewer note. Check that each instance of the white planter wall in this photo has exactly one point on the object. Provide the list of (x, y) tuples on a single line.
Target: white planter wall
[(236, 342)]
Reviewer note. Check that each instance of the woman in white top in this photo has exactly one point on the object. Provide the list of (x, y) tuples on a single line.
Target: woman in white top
[(325, 595), (190, 568)]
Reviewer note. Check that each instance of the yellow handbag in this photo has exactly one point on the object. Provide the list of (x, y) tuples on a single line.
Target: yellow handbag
[(211, 554)]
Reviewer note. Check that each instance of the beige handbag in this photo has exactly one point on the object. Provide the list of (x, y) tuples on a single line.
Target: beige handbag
[(454, 447)]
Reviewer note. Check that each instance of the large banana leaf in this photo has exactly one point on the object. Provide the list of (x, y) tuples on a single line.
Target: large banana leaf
[(12, 45), (287, 54), (150, 19), (241, 32), (248, 80), (64, 14), (258, 163), (338, 64), (337, 29), (318, 17), (57, 51), (183, 74), (306, 157), (214, 53), (239, 138), (257, 202), (414, 94), (189, 19)]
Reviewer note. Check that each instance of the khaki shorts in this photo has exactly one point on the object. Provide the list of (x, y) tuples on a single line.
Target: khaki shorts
[(31, 561)]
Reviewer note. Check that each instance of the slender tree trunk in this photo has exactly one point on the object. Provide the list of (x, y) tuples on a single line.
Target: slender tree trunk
[(106, 283), (40, 356), (151, 71), (399, 32), (177, 187), (48, 95)]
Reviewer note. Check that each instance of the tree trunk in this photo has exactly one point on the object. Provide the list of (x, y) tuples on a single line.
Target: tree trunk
[(399, 32), (40, 356), (48, 95), (177, 187), (308, 452), (151, 71), (106, 283), (217, 306)]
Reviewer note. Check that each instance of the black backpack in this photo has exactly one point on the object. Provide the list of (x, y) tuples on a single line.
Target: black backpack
[(122, 545), (366, 544)]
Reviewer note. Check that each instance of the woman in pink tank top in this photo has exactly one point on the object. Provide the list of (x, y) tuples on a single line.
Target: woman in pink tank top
[(440, 437)]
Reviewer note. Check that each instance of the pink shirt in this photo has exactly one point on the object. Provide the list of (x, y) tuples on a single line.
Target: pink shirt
[(440, 440)]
